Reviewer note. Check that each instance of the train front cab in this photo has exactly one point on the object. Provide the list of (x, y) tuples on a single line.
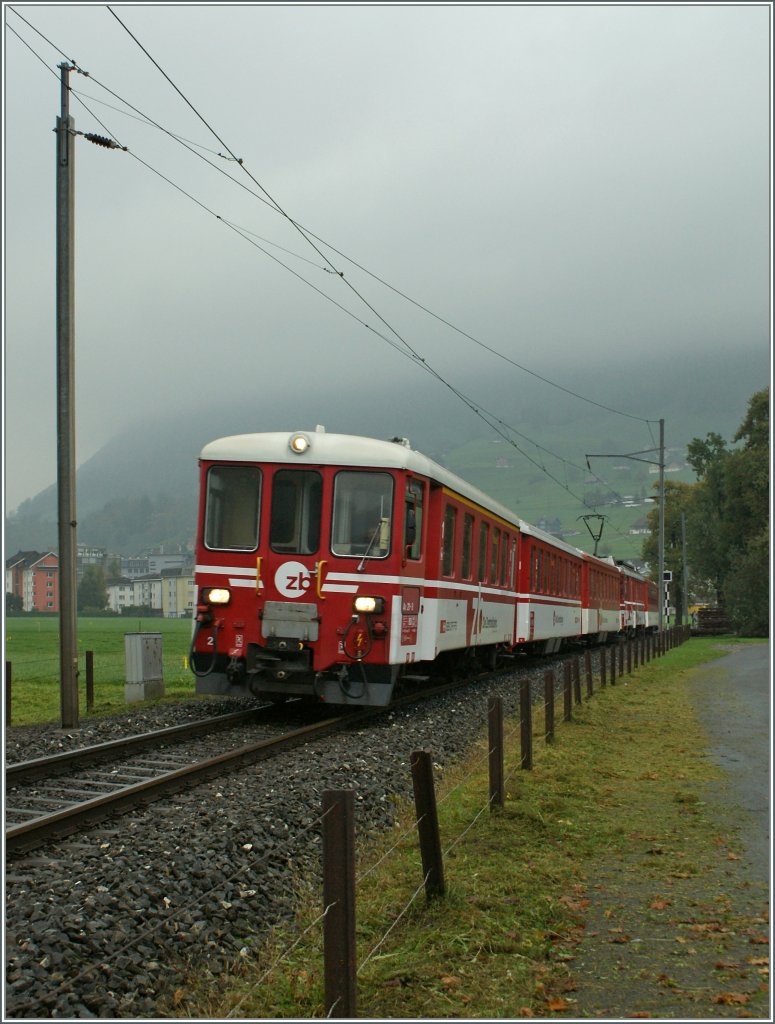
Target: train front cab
[(309, 579)]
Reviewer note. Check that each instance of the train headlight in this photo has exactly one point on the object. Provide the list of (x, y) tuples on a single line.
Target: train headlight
[(369, 605), (299, 443), (217, 595)]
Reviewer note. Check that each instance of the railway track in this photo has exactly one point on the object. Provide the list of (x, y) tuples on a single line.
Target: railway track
[(50, 798)]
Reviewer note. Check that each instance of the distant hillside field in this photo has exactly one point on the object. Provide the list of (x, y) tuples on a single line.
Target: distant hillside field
[(139, 491)]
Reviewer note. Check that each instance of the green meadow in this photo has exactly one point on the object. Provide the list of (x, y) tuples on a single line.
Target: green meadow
[(32, 648)]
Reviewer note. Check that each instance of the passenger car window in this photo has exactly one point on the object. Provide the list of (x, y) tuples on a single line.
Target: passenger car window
[(468, 530)]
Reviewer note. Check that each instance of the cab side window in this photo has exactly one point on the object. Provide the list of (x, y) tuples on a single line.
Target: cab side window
[(413, 517)]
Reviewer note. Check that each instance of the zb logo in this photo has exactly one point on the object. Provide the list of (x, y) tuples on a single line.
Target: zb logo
[(292, 579)]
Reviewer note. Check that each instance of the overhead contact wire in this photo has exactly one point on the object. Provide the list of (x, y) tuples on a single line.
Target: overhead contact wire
[(408, 350)]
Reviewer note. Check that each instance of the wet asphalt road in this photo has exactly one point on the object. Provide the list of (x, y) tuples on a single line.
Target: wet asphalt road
[(733, 699)]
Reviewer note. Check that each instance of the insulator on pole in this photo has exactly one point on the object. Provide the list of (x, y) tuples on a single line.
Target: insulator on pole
[(102, 140)]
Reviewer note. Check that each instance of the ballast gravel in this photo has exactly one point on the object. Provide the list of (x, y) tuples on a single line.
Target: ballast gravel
[(109, 922)]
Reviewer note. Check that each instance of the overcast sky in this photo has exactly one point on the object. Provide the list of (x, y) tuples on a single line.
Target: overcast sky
[(558, 181)]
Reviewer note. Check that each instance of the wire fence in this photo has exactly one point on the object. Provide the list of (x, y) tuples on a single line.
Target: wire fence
[(340, 970)]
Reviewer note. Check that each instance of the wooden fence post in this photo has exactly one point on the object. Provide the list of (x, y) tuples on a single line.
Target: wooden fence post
[(567, 693), (525, 725), (339, 902), (427, 822), (602, 668), (549, 706), (495, 733), (577, 679), (588, 668), (8, 695), (89, 680)]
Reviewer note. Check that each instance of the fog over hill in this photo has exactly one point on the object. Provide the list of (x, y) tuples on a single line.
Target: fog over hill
[(139, 490)]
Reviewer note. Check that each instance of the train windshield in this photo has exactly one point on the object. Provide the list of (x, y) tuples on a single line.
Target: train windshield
[(363, 503), (296, 507), (232, 509)]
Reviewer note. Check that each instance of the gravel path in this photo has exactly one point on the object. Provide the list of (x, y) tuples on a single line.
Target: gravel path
[(104, 923), (671, 944)]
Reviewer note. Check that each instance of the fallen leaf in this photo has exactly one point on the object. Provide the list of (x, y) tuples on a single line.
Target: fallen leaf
[(450, 981), (758, 961), (640, 1014), (525, 1011), (661, 904), (733, 856), (731, 999), (572, 904), (557, 1004), (760, 940)]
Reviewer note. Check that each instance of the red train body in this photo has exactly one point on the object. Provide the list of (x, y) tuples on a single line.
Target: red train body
[(334, 566)]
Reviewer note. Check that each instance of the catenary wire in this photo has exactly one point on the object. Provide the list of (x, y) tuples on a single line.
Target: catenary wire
[(307, 234), (413, 353), (489, 418)]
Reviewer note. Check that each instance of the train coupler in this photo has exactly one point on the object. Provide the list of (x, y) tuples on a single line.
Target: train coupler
[(235, 671)]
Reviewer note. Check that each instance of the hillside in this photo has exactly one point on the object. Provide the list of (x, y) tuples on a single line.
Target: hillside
[(139, 490)]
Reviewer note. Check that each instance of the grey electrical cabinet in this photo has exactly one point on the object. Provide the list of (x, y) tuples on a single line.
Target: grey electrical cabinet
[(144, 666)]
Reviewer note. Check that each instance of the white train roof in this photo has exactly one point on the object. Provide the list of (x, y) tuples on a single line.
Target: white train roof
[(326, 449)]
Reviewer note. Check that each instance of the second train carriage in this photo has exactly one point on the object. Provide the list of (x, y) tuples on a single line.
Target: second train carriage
[(332, 566)]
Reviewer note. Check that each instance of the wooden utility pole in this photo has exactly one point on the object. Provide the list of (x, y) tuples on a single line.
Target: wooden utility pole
[(65, 327)]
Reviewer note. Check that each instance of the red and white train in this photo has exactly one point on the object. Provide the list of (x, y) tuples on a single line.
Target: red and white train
[(335, 566)]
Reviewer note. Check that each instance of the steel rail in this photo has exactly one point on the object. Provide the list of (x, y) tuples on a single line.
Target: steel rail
[(34, 833), (53, 826), (40, 767)]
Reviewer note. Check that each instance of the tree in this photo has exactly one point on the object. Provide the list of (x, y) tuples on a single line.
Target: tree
[(13, 603), (91, 589), (727, 514)]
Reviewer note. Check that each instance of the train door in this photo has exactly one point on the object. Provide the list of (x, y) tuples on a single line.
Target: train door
[(481, 576), (408, 632)]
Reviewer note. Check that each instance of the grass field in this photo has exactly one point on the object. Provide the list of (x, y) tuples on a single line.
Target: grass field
[(32, 648)]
